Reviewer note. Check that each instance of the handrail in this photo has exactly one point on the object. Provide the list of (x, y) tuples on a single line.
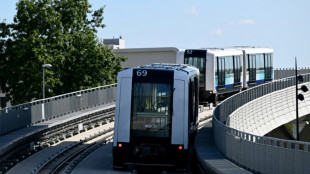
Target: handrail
[(15, 117)]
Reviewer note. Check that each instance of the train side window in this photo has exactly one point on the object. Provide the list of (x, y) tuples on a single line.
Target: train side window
[(237, 70), (193, 101), (196, 83), (221, 72), (271, 65), (216, 72), (229, 74), (268, 67), (260, 70), (252, 68)]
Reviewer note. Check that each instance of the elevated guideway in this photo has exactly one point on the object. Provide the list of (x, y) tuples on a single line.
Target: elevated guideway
[(270, 111), (20, 125), (239, 124), (241, 121)]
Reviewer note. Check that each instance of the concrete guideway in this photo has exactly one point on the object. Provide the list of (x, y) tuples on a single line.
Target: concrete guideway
[(14, 137), (10, 138), (257, 153), (32, 162), (101, 160), (270, 111), (210, 158)]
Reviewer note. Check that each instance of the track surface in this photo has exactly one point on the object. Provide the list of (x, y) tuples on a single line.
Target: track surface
[(101, 160)]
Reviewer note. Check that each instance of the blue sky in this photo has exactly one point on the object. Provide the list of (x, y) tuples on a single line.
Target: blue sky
[(282, 25)]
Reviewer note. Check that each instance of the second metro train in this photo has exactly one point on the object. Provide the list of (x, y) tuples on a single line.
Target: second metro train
[(229, 70)]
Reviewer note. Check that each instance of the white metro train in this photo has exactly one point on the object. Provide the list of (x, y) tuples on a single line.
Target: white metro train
[(156, 115), (223, 71), (229, 70)]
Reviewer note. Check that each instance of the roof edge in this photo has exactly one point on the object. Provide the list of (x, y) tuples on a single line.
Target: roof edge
[(152, 49)]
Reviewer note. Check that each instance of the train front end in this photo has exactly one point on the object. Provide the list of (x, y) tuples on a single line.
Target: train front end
[(151, 127)]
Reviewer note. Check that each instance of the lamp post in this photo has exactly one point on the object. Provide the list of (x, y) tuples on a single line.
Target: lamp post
[(298, 97), (45, 66), (297, 121)]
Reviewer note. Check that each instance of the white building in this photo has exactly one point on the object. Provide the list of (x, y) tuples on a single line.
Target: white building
[(146, 56)]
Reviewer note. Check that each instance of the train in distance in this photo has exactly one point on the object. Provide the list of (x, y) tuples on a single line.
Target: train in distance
[(223, 71), (156, 117)]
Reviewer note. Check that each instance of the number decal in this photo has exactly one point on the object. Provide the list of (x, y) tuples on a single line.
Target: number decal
[(139, 73), (189, 51), (142, 73)]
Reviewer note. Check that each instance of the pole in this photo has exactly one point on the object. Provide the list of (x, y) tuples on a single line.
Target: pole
[(43, 92), (297, 121)]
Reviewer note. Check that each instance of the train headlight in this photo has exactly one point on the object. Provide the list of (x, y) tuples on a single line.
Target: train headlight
[(120, 145), (180, 147)]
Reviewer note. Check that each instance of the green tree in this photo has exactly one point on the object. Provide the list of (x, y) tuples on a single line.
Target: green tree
[(61, 33)]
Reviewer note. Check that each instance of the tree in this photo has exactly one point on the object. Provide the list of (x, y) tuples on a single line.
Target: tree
[(61, 33)]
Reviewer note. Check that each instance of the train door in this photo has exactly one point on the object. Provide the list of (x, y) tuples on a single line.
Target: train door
[(268, 67), (221, 72), (252, 68), (237, 70)]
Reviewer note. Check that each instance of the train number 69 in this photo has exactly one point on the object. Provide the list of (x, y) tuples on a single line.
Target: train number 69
[(142, 73)]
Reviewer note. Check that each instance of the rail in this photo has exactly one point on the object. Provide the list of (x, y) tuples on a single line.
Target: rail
[(23, 115), (258, 153)]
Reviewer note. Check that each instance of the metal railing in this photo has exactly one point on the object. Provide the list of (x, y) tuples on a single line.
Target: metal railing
[(288, 72), (26, 114), (257, 153)]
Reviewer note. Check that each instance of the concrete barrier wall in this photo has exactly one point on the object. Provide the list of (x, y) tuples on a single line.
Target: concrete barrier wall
[(268, 112), (23, 115), (258, 153)]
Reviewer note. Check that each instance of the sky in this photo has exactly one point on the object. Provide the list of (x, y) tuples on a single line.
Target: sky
[(279, 24)]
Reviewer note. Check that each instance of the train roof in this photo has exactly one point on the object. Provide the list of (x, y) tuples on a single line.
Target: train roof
[(213, 51), (223, 51), (168, 66), (183, 70), (255, 50), (238, 50), (154, 49)]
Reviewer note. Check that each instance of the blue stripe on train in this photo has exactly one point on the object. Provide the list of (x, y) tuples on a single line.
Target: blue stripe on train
[(259, 81), (229, 85)]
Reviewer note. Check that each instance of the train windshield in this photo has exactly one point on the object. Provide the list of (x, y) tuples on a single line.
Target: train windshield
[(197, 58), (151, 108)]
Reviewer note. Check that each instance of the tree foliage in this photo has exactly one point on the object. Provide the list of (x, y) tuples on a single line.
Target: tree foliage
[(58, 32)]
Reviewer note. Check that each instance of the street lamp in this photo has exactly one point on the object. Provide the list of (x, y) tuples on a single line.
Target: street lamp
[(45, 66), (298, 97)]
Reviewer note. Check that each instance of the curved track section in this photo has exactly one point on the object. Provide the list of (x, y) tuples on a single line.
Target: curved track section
[(101, 160), (39, 159)]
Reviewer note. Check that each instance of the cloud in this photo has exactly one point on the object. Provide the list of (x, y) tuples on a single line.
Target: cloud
[(217, 32), (246, 22), (192, 10)]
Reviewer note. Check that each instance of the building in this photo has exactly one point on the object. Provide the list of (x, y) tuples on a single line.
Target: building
[(145, 56), (118, 43)]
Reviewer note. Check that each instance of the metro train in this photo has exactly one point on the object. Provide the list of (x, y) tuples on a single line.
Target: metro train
[(223, 71), (229, 70), (156, 117)]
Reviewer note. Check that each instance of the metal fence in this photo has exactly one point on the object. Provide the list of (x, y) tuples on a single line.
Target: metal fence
[(26, 114), (257, 153), (288, 72)]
